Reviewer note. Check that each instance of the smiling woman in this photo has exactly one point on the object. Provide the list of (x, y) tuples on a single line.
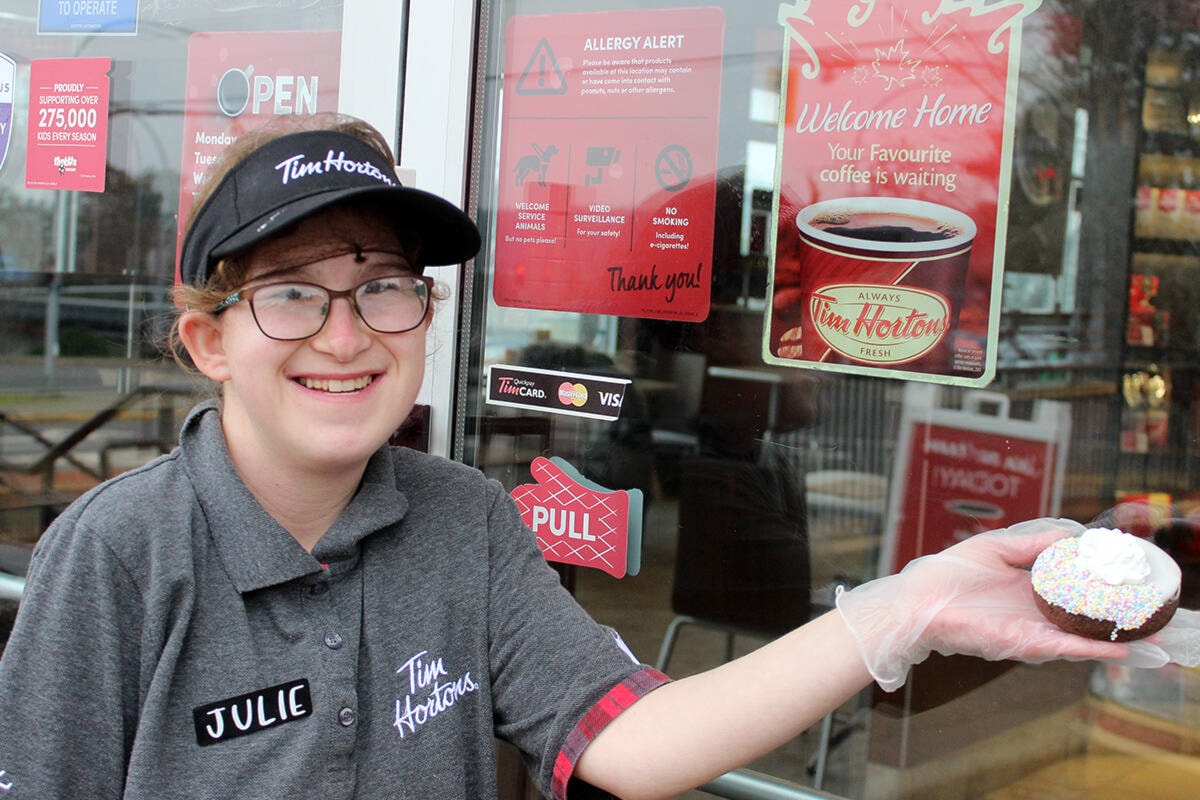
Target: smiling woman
[(314, 379), (284, 605), (304, 300)]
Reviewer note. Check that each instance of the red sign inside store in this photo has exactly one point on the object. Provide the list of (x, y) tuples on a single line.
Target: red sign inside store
[(239, 81), (68, 124), (607, 162), (961, 481), (893, 176)]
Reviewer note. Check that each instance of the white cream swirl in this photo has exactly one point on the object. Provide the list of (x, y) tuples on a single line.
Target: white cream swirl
[(1113, 556)]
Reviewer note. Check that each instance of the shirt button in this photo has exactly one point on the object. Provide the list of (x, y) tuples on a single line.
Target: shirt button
[(333, 640), (346, 716), (318, 589)]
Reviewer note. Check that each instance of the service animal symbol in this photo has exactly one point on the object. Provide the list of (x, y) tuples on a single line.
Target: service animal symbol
[(535, 164)]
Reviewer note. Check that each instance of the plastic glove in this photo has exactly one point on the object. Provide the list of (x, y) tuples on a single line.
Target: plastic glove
[(1177, 643), (976, 599)]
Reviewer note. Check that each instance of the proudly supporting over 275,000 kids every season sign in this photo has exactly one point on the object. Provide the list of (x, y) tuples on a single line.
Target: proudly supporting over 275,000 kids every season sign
[(67, 139)]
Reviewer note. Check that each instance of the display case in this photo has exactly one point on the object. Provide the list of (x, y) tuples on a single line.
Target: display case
[(1161, 361)]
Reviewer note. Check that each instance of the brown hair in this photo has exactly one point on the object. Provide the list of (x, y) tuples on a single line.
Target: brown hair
[(230, 272)]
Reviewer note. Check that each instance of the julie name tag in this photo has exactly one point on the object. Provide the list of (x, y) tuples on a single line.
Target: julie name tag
[(252, 712)]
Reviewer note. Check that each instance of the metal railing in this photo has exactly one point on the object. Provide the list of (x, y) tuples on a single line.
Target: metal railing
[(48, 499), (745, 784), (46, 464)]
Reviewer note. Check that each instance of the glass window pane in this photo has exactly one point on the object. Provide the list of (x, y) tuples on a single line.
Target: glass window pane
[(100, 263), (766, 485)]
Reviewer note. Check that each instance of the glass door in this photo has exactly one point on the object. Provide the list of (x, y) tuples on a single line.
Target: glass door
[(628, 160)]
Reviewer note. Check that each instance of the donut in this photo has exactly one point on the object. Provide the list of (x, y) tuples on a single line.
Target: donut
[(1106, 584)]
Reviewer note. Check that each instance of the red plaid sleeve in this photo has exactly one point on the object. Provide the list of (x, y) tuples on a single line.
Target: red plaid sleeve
[(619, 698)]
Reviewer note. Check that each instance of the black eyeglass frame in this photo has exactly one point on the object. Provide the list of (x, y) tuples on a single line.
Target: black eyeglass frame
[(247, 293)]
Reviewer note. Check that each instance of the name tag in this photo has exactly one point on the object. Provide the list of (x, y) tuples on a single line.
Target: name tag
[(252, 712)]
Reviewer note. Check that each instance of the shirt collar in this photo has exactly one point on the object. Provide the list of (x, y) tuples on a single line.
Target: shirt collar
[(256, 550)]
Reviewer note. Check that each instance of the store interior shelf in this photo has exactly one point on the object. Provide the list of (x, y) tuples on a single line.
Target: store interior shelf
[(1170, 143), (1170, 247), (1164, 356)]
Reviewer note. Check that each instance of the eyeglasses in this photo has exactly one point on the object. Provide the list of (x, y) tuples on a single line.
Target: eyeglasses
[(296, 310)]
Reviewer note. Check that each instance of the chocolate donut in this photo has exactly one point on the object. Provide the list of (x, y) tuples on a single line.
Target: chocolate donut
[(1106, 584)]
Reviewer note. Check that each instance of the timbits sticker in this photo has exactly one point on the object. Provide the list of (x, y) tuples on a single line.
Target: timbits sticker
[(571, 393), (8, 77)]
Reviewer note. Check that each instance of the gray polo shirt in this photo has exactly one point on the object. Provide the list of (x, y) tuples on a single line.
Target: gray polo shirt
[(176, 642)]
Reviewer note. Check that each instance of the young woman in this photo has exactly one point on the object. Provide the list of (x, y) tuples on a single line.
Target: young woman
[(284, 606)]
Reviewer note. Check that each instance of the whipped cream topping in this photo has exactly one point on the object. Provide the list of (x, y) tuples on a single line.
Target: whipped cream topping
[(1113, 556)]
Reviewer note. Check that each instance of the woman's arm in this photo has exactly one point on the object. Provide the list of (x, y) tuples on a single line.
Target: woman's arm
[(690, 731), (974, 599)]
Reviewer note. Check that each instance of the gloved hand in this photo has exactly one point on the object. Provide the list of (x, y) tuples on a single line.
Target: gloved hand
[(1177, 643), (976, 599)]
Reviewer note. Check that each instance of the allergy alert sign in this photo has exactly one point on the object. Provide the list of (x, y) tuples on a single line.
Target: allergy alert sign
[(606, 187), (894, 160), (67, 141)]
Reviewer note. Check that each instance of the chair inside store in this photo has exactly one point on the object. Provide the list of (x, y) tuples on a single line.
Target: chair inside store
[(742, 559), (675, 413)]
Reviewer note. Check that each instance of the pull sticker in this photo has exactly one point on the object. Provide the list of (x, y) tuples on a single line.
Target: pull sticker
[(580, 522)]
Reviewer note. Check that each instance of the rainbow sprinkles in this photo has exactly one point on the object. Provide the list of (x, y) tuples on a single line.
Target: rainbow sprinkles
[(1103, 575)]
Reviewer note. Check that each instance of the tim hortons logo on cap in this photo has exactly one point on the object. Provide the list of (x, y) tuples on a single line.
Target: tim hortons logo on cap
[(300, 166)]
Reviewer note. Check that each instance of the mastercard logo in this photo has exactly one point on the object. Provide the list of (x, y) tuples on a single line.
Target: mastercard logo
[(572, 394)]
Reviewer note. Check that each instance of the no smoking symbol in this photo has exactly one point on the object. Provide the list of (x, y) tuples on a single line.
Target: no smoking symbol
[(673, 168)]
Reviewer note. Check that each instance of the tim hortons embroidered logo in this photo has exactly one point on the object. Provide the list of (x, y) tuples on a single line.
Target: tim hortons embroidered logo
[(431, 690), (251, 712)]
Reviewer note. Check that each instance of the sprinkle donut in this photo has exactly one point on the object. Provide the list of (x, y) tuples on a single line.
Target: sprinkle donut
[(1106, 584)]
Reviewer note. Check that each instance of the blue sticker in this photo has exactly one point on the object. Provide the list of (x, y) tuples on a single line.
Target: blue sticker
[(88, 16)]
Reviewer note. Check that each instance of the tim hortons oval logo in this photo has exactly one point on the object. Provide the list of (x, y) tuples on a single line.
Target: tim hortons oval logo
[(879, 324)]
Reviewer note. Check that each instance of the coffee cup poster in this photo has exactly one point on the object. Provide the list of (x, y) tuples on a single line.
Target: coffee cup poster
[(895, 142)]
